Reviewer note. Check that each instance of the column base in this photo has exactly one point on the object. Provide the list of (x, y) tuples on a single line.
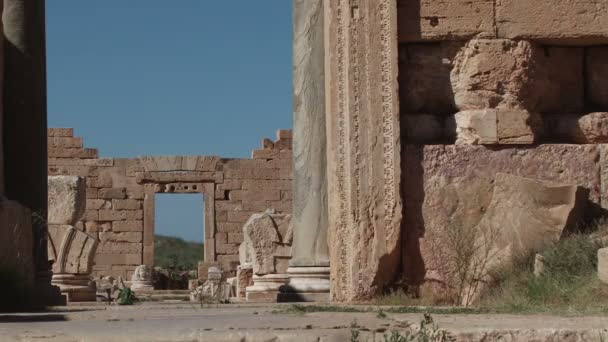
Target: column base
[(306, 284), (46, 292), (76, 287), (265, 289)]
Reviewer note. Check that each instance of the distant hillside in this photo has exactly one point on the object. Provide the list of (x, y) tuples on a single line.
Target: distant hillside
[(173, 251)]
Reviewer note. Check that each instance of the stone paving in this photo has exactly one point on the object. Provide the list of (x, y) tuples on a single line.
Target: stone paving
[(189, 322)]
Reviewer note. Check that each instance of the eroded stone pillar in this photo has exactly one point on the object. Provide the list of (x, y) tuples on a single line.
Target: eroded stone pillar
[(25, 119), (309, 267)]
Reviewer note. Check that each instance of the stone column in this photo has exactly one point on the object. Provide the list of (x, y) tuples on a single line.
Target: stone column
[(309, 266), (24, 122)]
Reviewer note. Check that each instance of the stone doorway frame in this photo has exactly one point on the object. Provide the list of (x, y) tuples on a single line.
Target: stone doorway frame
[(177, 183)]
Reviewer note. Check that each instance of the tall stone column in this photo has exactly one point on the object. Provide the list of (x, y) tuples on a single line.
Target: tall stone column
[(25, 119), (309, 267)]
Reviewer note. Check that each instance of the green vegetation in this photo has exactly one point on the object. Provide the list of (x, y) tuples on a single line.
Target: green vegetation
[(125, 297), (173, 252), (567, 286)]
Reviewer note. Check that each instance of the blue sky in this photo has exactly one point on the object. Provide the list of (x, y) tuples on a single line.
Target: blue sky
[(187, 77)]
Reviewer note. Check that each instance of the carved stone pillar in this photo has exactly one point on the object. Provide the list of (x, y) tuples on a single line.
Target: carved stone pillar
[(363, 145), (309, 266)]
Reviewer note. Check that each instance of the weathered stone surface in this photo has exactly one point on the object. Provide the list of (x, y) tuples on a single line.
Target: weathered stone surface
[(524, 217), (431, 20), (553, 21), (17, 241), (602, 264), (596, 70), (494, 73), (451, 186), (244, 275), (496, 126), (424, 77), (71, 250), (267, 239), (364, 147), (572, 128), (143, 278), (67, 199)]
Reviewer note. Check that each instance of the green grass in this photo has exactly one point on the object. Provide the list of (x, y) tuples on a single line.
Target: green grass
[(568, 286), (175, 252)]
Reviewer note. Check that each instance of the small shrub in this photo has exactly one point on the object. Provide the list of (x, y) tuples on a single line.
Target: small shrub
[(427, 332), (126, 296)]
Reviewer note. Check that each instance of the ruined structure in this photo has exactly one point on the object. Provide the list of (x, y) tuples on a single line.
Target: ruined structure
[(413, 89), (120, 198), (404, 113)]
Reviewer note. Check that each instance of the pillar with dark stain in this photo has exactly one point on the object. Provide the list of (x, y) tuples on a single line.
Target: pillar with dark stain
[(25, 117)]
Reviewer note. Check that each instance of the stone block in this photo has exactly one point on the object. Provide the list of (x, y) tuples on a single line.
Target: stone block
[(226, 248), (67, 199), (228, 227), (92, 193), (239, 216), (133, 237), (452, 186), (284, 134), (98, 162), (161, 163), (497, 126), (17, 241), (553, 21), (61, 152), (572, 128), (94, 226), (112, 215), (424, 77), (264, 242), (495, 73), (60, 132), (128, 204), (422, 128), (96, 204), (432, 20), (90, 215), (235, 238), (244, 275), (596, 70), (602, 265), (112, 193), (109, 247), (127, 226), (67, 142), (265, 154)]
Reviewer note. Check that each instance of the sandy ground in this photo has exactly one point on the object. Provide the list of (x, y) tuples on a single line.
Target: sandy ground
[(185, 322)]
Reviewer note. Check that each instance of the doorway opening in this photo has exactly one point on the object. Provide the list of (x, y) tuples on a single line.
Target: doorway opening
[(178, 239)]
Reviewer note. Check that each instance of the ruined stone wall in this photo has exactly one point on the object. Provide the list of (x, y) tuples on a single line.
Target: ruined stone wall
[(503, 72), (495, 86), (120, 197)]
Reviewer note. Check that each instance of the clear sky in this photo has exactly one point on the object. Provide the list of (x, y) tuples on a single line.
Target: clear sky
[(186, 77)]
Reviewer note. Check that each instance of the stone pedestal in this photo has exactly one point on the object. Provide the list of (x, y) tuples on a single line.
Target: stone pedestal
[(143, 279), (265, 289), (306, 284), (76, 287)]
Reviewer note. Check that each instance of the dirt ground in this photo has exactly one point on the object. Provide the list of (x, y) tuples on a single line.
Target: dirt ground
[(190, 322)]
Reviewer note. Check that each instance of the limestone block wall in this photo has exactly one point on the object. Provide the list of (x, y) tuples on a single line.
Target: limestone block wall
[(507, 71), (120, 196), (489, 86)]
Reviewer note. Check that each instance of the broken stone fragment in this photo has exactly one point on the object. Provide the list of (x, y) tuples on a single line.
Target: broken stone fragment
[(495, 126), (524, 217), (267, 243), (494, 73), (573, 128), (67, 199)]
